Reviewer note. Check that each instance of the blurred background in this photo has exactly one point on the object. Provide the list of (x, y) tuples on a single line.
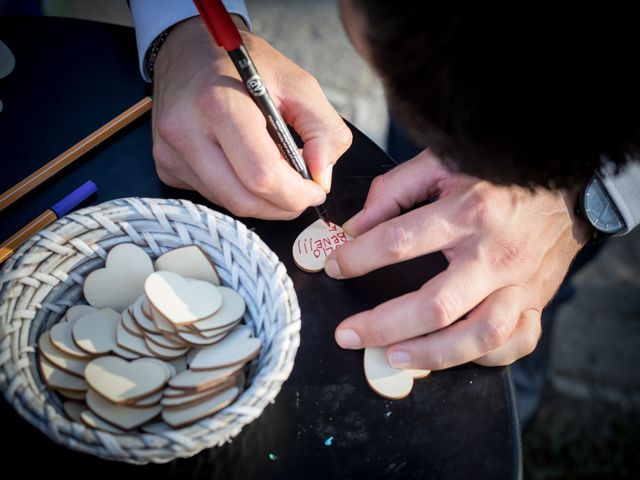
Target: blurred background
[(589, 423)]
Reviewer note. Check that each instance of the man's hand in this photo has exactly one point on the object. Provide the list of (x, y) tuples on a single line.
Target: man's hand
[(209, 136), (508, 250)]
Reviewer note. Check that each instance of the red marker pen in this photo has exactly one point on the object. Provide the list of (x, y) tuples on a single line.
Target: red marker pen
[(226, 35)]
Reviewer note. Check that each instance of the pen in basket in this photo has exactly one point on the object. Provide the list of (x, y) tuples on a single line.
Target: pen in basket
[(50, 215)]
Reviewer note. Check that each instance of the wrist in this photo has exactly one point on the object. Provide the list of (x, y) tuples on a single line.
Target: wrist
[(583, 232), (188, 47)]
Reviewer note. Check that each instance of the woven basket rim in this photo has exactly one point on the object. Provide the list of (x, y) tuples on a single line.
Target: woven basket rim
[(53, 263)]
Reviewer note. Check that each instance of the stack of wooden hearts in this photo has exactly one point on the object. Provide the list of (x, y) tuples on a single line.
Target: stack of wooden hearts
[(163, 343)]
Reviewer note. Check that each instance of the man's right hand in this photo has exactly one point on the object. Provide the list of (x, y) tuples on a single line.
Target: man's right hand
[(209, 136)]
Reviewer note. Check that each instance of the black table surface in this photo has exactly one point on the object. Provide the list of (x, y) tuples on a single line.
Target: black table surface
[(72, 77)]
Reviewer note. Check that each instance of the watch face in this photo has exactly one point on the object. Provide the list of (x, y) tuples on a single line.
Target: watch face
[(600, 210)]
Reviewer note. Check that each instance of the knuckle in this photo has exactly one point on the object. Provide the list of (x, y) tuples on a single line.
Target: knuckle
[(437, 361), (480, 206), (395, 242), (167, 168), (379, 338), (378, 186), (344, 137), (260, 181), (531, 342), (210, 99), (440, 308), (171, 130), (493, 334), (167, 179), (303, 77)]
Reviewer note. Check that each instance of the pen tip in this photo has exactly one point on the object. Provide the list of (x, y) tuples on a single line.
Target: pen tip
[(322, 214)]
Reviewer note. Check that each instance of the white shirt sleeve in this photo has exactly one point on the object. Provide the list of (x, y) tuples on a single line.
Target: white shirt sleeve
[(624, 190), (152, 17)]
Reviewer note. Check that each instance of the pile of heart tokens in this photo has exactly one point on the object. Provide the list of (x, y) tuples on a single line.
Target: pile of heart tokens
[(159, 345)]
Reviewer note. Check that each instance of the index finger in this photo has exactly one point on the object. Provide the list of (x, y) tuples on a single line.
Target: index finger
[(421, 231), (258, 163)]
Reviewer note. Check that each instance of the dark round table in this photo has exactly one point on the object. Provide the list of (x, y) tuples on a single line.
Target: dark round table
[(72, 77)]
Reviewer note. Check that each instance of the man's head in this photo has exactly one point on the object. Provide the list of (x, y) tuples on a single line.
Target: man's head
[(527, 96)]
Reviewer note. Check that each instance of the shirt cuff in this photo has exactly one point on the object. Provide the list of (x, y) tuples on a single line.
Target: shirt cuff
[(152, 17), (623, 188)]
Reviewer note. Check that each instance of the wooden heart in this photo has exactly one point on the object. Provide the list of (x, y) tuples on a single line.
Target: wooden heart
[(179, 416), (179, 300), (121, 281), (236, 347), (316, 243), (76, 312), (119, 415), (61, 335), (190, 262), (59, 379), (58, 358), (95, 332), (200, 381), (91, 420), (386, 381), (120, 381), (231, 311)]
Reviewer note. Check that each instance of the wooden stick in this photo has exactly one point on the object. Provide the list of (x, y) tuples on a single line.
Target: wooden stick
[(72, 154), (9, 246)]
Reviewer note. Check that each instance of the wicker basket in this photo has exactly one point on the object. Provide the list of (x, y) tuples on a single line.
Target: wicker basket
[(45, 277)]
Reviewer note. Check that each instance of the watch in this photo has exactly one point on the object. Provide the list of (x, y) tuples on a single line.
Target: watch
[(599, 211)]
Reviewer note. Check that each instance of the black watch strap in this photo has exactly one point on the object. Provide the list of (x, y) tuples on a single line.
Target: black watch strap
[(153, 50)]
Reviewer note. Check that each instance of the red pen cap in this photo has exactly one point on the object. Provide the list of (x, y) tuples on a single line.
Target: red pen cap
[(219, 23)]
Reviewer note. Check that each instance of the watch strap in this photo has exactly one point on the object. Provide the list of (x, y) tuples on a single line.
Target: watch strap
[(623, 187), (152, 52)]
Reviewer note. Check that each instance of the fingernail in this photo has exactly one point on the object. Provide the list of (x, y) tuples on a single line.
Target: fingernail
[(399, 359), (348, 339), (325, 179), (332, 269), (347, 226)]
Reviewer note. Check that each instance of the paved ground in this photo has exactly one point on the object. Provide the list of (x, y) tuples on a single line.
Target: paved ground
[(589, 426)]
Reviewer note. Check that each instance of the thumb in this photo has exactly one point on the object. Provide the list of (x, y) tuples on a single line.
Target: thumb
[(399, 189)]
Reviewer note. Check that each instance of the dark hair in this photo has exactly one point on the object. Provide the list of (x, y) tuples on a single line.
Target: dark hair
[(522, 95)]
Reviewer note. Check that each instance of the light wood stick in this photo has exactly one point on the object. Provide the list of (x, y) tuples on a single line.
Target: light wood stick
[(73, 153), (11, 244)]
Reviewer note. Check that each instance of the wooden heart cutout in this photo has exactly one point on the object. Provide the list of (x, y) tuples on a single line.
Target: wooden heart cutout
[(179, 416), (316, 243), (236, 347), (179, 300), (119, 415), (386, 381), (120, 381), (190, 262), (121, 281), (231, 311), (95, 332)]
